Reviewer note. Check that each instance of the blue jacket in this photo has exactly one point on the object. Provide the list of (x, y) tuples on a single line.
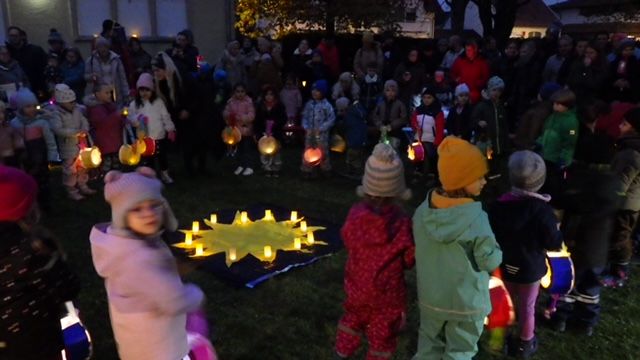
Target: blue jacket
[(74, 77), (355, 123), (318, 116)]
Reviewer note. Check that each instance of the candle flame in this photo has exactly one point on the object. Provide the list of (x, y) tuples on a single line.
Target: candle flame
[(232, 254), (303, 226), (310, 238), (294, 216)]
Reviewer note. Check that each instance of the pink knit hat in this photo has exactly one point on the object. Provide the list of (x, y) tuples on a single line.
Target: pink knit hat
[(145, 80), (123, 191)]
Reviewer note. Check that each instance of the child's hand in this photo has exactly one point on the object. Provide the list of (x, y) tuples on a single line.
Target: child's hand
[(171, 136)]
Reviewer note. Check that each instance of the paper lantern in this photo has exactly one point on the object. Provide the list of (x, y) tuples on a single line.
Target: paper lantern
[(338, 144), (268, 145), (149, 146), (140, 146), (231, 135), (77, 340), (560, 274), (128, 155), (90, 157), (415, 152), (502, 311), (312, 156)]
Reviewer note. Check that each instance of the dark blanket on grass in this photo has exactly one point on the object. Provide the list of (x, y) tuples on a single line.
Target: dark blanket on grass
[(251, 271)]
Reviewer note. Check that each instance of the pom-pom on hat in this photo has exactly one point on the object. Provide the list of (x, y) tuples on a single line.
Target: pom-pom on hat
[(384, 175), (145, 81), (64, 94), (460, 163), (24, 97), (527, 170), (17, 193), (123, 191)]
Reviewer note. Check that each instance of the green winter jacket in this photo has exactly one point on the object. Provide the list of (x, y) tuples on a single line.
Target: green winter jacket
[(559, 137), (455, 251)]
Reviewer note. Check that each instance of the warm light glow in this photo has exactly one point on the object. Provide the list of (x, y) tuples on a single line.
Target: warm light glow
[(297, 243), (310, 238), (38, 107), (232, 254), (134, 35), (199, 249), (411, 154), (489, 153), (268, 145), (195, 227), (267, 252), (125, 111), (304, 83), (244, 217), (294, 216), (303, 226), (188, 238), (214, 219), (268, 215)]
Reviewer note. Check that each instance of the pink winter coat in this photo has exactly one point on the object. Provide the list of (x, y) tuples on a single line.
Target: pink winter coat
[(148, 302), (240, 113), (107, 124)]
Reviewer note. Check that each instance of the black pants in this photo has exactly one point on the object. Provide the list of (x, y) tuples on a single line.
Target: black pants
[(158, 160), (36, 164), (621, 248), (582, 304)]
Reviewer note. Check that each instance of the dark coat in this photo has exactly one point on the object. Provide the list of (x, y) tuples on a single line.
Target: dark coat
[(497, 128), (531, 125), (460, 124), (33, 288), (276, 113), (587, 82), (33, 60), (525, 228), (630, 71), (626, 166)]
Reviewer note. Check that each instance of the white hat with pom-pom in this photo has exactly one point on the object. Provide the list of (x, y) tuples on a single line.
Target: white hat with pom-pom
[(384, 175)]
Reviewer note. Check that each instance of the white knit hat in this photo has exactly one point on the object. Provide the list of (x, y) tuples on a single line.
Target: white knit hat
[(384, 175), (462, 89), (123, 191), (64, 94)]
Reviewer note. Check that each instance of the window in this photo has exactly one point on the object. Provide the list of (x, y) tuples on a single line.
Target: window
[(145, 18)]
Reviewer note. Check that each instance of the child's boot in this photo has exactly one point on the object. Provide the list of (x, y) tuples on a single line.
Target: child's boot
[(74, 194), (527, 348)]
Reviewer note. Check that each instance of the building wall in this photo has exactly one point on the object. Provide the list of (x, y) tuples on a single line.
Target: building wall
[(571, 16)]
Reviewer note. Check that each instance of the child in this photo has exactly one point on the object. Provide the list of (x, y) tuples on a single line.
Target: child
[(222, 88), (456, 251), (442, 89), (239, 112), (391, 113), (490, 117), (35, 280), (71, 127), (270, 115), (39, 140), (148, 303), (532, 121), (427, 122), (149, 111), (377, 236), (53, 72), (370, 87), (318, 118), (345, 87), (525, 227), (11, 143), (107, 124), (355, 128), (459, 118), (626, 166), (291, 98)]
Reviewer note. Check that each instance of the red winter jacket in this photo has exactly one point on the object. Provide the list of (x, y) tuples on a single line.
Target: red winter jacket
[(380, 246), (473, 73), (107, 124), (331, 58), (427, 128)]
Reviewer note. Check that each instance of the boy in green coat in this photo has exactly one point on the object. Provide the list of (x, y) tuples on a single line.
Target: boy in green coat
[(455, 251)]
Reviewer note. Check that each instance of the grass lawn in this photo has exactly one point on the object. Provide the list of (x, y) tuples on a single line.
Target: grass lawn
[(294, 316)]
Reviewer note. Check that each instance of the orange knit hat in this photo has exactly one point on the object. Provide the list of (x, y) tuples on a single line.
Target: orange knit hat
[(460, 163)]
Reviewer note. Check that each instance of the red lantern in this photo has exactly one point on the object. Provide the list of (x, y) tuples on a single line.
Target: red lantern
[(502, 312), (415, 152), (149, 146), (312, 156)]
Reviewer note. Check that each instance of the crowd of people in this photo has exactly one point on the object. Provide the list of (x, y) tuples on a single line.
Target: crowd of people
[(557, 116)]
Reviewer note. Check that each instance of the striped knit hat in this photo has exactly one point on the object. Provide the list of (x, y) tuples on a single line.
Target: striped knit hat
[(384, 175)]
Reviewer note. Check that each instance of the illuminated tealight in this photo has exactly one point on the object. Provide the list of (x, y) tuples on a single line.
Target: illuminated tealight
[(244, 217), (303, 226), (188, 238), (310, 238), (268, 215), (297, 243), (199, 249), (195, 227), (294, 216), (267, 252), (214, 219), (232, 254)]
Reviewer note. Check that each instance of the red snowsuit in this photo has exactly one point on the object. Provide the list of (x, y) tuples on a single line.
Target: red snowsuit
[(475, 73), (380, 246)]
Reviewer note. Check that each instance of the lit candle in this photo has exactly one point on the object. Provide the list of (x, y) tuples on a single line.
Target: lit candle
[(195, 227), (297, 243), (294, 216), (303, 226), (199, 249), (304, 83), (125, 111), (232, 254), (267, 252), (188, 239), (214, 218), (268, 215), (244, 217), (310, 238)]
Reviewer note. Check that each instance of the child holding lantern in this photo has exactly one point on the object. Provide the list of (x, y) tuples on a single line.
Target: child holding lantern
[(149, 112), (525, 227), (270, 119), (427, 122), (240, 113), (318, 118), (455, 251), (72, 130), (107, 124), (149, 321), (377, 236)]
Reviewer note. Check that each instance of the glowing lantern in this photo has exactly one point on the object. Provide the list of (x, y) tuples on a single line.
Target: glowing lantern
[(77, 340), (149, 146), (415, 152), (303, 226), (304, 83), (199, 250), (231, 135), (338, 144), (128, 155), (140, 146), (297, 243), (268, 145), (312, 156), (214, 218), (502, 311), (89, 156), (125, 111), (268, 215), (244, 217), (560, 272), (233, 256)]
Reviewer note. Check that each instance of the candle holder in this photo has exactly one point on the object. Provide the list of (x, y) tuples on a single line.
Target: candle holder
[(195, 227), (310, 238), (297, 243), (267, 252), (213, 219)]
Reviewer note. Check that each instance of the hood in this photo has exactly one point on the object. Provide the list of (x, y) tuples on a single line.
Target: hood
[(448, 224), (108, 249), (629, 142)]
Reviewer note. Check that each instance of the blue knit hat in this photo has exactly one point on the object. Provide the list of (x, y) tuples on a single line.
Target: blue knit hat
[(24, 97), (322, 86), (219, 75), (547, 89)]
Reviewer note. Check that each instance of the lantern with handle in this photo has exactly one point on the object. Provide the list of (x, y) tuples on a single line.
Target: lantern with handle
[(560, 274), (128, 154), (338, 144), (312, 155), (502, 311), (89, 156), (231, 135), (268, 145), (146, 146), (77, 341), (415, 150)]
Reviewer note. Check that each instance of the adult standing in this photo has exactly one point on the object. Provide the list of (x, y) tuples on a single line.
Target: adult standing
[(72, 69), (105, 66), (410, 76), (56, 43), (370, 52), (301, 63), (32, 59), (554, 64), (587, 78), (232, 63), (624, 73), (116, 34), (266, 66), (330, 56), (12, 77), (526, 83), (471, 69), (455, 50), (140, 59), (183, 53)]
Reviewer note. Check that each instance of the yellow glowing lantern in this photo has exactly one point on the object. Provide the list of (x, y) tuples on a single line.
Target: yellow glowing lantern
[(195, 227), (244, 217), (303, 226), (214, 219), (125, 111), (233, 256), (310, 238), (231, 135), (294, 216), (268, 145), (297, 243), (312, 156), (267, 252), (338, 144), (199, 249), (89, 156), (128, 155)]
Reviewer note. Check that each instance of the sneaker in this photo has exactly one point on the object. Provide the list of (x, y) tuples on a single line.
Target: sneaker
[(527, 348), (74, 195), (85, 190), (248, 171), (239, 170), (164, 176)]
